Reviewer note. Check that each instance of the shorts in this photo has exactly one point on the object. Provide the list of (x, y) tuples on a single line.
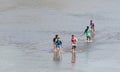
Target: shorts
[(74, 46), (88, 37), (59, 46)]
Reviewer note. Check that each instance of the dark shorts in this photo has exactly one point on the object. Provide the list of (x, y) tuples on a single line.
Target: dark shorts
[(74, 46), (88, 37)]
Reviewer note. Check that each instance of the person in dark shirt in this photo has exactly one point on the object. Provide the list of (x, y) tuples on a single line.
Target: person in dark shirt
[(54, 42)]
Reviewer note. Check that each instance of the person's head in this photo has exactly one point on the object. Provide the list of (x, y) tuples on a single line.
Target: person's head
[(72, 35), (90, 21), (56, 36), (87, 27)]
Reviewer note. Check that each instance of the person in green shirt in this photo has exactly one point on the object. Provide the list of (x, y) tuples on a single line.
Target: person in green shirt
[(88, 33)]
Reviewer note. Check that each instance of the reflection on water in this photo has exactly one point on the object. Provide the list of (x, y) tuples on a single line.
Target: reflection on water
[(31, 30), (73, 57), (57, 56)]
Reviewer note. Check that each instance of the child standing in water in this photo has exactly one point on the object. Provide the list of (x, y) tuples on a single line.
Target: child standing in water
[(74, 43), (59, 44), (92, 27), (88, 34), (54, 42)]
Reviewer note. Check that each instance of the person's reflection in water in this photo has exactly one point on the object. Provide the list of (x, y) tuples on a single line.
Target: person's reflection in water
[(73, 57), (57, 56), (73, 61)]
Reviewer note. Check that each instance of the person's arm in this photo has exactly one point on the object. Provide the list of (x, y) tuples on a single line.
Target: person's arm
[(61, 43), (53, 39), (85, 31), (76, 39)]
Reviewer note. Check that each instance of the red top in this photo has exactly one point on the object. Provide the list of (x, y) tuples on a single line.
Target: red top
[(74, 40)]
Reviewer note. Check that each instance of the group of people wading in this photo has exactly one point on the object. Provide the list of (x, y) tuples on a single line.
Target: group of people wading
[(89, 32)]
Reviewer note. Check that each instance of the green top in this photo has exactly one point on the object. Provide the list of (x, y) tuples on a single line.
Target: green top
[(88, 33)]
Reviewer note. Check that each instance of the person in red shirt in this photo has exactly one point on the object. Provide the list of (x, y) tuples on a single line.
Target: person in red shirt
[(74, 43)]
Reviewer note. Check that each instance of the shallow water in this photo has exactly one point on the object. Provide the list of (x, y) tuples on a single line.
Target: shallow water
[(27, 30)]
